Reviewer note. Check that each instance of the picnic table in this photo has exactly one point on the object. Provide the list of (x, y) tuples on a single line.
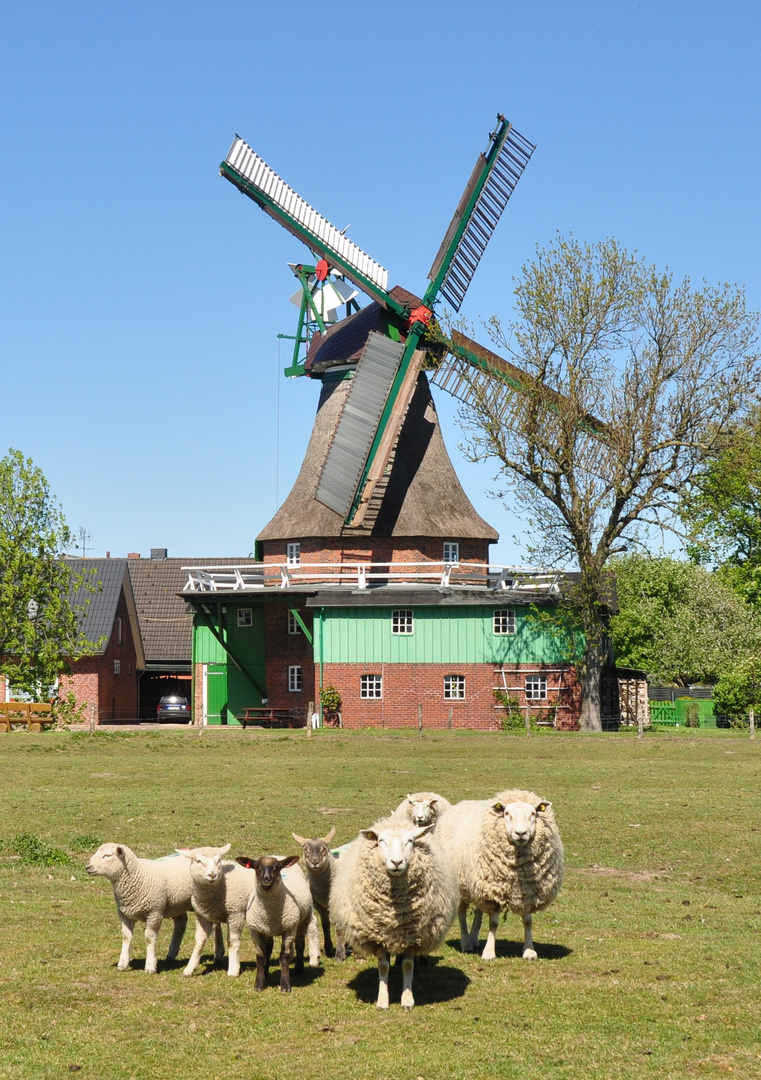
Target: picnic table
[(34, 715), (263, 716)]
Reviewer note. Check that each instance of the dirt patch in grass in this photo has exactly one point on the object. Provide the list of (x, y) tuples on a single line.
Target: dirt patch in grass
[(624, 875)]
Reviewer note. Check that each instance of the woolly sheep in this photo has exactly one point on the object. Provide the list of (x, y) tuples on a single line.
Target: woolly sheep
[(145, 890), (321, 866), (220, 894), (509, 857), (395, 892), (280, 906), (422, 808)]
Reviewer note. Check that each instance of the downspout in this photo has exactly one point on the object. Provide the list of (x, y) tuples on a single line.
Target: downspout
[(322, 627)]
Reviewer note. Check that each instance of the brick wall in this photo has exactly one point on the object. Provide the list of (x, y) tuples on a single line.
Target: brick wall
[(380, 550), (283, 651)]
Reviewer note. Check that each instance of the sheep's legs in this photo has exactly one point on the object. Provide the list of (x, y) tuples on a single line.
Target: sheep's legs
[(340, 946), (219, 942), (529, 953), (203, 929), (325, 921), (408, 970), (490, 950), (313, 943), (180, 923), (234, 930), (285, 959), (475, 930), (128, 926), (468, 938), (298, 966), (263, 954), (152, 927), (384, 963)]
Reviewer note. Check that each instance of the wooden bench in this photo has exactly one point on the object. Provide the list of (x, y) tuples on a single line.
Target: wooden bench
[(34, 715), (266, 717)]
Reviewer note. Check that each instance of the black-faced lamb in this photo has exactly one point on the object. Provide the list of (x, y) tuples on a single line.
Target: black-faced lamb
[(321, 867), (280, 906), (395, 893), (220, 894), (145, 890), (422, 808), (509, 857)]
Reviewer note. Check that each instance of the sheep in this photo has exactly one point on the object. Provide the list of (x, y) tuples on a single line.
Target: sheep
[(395, 892), (220, 894), (145, 890), (280, 906), (321, 866), (509, 857), (422, 808)]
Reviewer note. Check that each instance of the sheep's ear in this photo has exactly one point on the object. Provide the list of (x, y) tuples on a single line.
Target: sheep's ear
[(289, 861), (422, 830), (410, 800), (247, 861), (369, 834), (299, 839), (543, 806), (329, 837), (184, 851), (224, 850), (498, 808), (119, 850)]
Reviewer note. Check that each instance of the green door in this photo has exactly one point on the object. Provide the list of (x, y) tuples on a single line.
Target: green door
[(215, 676)]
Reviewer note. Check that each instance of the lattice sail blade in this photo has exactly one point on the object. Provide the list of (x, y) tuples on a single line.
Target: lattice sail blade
[(251, 175), (354, 434), (486, 195)]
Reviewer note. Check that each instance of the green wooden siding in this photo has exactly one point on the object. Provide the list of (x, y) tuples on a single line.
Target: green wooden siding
[(440, 636), (248, 645)]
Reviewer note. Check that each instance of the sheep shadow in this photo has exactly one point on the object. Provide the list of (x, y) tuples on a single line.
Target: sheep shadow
[(514, 950), (433, 983)]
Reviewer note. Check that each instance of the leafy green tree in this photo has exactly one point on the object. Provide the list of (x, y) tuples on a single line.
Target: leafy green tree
[(739, 690), (678, 622), (632, 381), (39, 631)]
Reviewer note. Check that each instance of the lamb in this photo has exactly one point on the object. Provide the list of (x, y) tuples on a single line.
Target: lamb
[(220, 894), (509, 857), (145, 890), (422, 808), (321, 869), (280, 906), (395, 892)]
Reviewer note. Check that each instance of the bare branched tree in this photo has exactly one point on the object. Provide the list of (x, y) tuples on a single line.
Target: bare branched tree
[(632, 381)]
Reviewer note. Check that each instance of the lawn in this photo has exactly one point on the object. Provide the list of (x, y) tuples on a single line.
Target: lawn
[(649, 960)]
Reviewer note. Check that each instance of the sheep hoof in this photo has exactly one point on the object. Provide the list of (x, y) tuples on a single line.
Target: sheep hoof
[(285, 989), (408, 1002), (530, 954), (381, 1005), (491, 955), (122, 967), (188, 971), (150, 971)]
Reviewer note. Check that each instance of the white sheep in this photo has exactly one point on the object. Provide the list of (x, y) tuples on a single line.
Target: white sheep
[(422, 808), (280, 906), (220, 894), (145, 890), (321, 866), (509, 857), (395, 892)]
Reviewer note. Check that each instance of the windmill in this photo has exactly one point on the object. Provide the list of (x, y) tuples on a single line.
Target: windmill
[(394, 346)]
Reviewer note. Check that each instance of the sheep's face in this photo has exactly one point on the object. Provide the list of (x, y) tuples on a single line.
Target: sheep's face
[(395, 846), (422, 811), (520, 820), (316, 852), (108, 861), (268, 868), (205, 863)]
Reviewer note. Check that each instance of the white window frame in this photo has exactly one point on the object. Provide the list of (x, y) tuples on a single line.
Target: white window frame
[(371, 690), (451, 551), (293, 624), (117, 667), (294, 678), (402, 621), (293, 553), (504, 617), (245, 616), (454, 687), (536, 688)]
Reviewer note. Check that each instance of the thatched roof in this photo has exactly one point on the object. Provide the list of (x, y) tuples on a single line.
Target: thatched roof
[(419, 497)]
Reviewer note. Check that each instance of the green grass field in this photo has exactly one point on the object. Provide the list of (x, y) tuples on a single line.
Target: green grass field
[(649, 960)]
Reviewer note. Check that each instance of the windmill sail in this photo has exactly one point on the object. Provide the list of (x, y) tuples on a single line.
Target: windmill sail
[(491, 184), (251, 175)]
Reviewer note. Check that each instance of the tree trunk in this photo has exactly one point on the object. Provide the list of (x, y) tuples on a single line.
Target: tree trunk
[(590, 675)]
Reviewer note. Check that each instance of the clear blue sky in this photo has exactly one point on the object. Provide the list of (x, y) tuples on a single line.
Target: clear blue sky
[(141, 295)]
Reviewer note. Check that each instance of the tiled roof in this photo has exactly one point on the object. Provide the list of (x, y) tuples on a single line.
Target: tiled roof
[(96, 618), (166, 622)]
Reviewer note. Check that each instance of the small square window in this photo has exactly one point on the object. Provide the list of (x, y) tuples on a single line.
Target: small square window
[(454, 687), (402, 621), (293, 554), (245, 616), (451, 552), (504, 621), (536, 687), (294, 678), (117, 667), (293, 623), (371, 686)]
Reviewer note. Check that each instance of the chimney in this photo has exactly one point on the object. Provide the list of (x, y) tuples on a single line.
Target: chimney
[(158, 553), (133, 554)]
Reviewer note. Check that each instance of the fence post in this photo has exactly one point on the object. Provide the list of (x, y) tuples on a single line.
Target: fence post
[(528, 721), (420, 719), (450, 717), (752, 722), (640, 724)]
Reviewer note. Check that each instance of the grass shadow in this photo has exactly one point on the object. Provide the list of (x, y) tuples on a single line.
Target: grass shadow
[(514, 949), (433, 983)]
